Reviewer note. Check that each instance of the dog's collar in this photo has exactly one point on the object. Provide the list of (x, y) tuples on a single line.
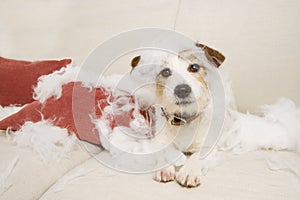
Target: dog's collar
[(177, 120)]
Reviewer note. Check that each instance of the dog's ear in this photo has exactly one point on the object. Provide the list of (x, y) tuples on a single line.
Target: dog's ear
[(214, 56), (135, 61)]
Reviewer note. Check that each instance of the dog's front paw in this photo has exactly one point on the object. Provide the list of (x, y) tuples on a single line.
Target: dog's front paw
[(187, 177), (165, 175)]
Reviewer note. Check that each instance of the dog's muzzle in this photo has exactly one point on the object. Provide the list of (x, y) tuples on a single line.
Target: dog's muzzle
[(178, 119)]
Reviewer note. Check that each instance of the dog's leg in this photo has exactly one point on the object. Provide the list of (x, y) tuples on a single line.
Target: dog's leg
[(165, 175), (189, 174)]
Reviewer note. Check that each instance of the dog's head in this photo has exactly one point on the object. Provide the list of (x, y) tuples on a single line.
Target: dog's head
[(180, 84)]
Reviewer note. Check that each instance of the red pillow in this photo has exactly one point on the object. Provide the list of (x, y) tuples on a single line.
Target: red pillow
[(72, 111), (18, 78)]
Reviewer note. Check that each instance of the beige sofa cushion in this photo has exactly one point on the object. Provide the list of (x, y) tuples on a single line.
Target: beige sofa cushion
[(239, 177), (25, 175)]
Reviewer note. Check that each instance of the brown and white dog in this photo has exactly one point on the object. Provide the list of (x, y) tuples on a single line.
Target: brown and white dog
[(181, 89)]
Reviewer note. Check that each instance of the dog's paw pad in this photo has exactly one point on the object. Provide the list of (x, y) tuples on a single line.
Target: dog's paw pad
[(165, 175), (187, 179)]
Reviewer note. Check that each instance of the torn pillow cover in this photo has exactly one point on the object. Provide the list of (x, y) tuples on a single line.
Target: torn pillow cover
[(76, 109), (18, 78)]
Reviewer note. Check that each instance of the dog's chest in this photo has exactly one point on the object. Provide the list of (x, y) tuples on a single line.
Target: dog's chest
[(186, 138)]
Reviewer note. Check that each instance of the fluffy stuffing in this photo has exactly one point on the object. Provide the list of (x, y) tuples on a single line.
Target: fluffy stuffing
[(277, 127), (51, 84), (8, 110), (50, 142)]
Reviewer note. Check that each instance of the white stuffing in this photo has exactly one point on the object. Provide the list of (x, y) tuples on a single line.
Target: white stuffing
[(9, 110), (51, 84), (108, 82), (277, 129), (285, 113), (127, 145), (104, 131), (130, 139), (50, 142)]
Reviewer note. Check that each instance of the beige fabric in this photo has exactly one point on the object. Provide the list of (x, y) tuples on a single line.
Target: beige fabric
[(31, 177), (243, 176), (239, 177)]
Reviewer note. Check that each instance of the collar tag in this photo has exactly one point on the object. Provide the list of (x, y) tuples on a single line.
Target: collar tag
[(177, 120)]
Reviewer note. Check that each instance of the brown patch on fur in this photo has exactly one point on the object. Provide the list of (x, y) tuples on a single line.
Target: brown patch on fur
[(187, 55), (191, 57), (159, 89), (214, 56), (166, 63), (201, 79), (135, 61)]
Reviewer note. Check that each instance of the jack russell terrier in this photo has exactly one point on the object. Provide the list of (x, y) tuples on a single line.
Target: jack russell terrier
[(181, 89)]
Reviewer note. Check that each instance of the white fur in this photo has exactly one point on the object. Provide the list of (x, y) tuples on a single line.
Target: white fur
[(150, 65), (187, 138)]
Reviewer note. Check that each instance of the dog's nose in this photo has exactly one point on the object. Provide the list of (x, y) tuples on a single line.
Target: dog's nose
[(182, 90)]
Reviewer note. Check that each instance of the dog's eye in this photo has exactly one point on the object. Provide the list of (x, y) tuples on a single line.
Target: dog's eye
[(166, 72), (194, 68)]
